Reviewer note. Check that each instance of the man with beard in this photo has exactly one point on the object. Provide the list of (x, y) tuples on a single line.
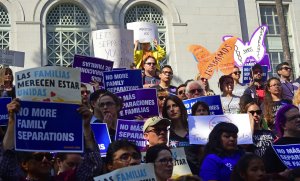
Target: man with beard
[(256, 87)]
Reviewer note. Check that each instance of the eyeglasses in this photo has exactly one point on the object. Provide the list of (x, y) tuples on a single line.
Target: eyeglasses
[(203, 79), (165, 161), (237, 72), (193, 91), (166, 72), (181, 92), (161, 97), (85, 92), (125, 157), (258, 112), (149, 63), (286, 68), (40, 156), (107, 104), (157, 131), (274, 85)]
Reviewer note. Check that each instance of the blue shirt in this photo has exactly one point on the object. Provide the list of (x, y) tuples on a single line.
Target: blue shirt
[(218, 168)]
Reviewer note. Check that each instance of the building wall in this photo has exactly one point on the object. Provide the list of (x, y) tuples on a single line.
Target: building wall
[(188, 22)]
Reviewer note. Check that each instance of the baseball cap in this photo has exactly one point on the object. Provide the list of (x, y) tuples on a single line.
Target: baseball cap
[(154, 121)]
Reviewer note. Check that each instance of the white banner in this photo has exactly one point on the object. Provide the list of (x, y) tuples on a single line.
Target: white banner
[(181, 166), (201, 126), (143, 31), (115, 45)]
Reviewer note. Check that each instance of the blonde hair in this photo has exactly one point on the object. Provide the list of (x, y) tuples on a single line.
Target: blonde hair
[(296, 99)]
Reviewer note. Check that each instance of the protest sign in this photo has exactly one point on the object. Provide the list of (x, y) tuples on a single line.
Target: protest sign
[(180, 164), (289, 155), (265, 61), (115, 45), (132, 173), (141, 102), (102, 137), (45, 127), (3, 110), (49, 84), (12, 58), (214, 103), (122, 80), (144, 32), (92, 68), (247, 72), (201, 126), (131, 130)]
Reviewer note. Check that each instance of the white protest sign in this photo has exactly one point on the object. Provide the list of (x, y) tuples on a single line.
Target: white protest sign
[(12, 58), (132, 173), (181, 166), (49, 84), (115, 45), (145, 32), (201, 126)]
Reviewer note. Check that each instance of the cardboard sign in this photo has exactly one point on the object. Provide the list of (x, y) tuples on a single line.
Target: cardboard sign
[(180, 164), (144, 32), (122, 80), (12, 58), (247, 71), (49, 84), (3, 110), (214, 103), (92, 68), (132, 173), (102, 137), (289, 155), (201, 126), (141, 102), (131, 130), (115, 45), (45, 127)]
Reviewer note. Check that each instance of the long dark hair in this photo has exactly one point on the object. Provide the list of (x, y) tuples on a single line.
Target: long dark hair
[(183, 116), (153, 151), (197, 104)]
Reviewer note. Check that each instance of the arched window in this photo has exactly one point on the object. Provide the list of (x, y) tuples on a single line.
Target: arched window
[(68, 33), (148, 13), (4, 28)]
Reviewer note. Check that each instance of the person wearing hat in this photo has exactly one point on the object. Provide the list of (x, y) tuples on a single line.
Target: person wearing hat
[(156, 130), (256, 87)]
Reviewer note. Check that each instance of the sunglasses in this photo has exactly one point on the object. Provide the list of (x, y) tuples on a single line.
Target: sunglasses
[(157, 131), (193, 91), (41, 156), (286, 68), (85, 92), (258, 112), (162, 97), (203, 79), (237, 72), (181, 92)]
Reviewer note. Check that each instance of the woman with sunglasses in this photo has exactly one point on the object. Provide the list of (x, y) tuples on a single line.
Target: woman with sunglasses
[(230, 102), (262, 138), (204, 82), (161, 156), (174, 110), (239, 88), (273, 101)]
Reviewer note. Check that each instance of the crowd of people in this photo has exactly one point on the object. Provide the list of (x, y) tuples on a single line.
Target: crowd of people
[(272, 106)]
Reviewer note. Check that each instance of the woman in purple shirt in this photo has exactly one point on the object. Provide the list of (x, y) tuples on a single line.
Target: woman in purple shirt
[(220, 153)]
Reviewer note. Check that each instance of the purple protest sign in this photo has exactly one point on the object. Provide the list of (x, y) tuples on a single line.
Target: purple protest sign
[(141, 102), (264, 61), (92, 68), (3, 110), (131, 130)]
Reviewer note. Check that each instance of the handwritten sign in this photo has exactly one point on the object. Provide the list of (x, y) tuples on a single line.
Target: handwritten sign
[(180, 164), (45, 127), (115, 45), (122, 80), (144, 32), (13, 58), (3, 110), (201, 126), (131, 130), (132, 173), (289, 155), (214, 103), (141, 102), (102, 137), (49, 84), (92, 68), (247, 72)]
